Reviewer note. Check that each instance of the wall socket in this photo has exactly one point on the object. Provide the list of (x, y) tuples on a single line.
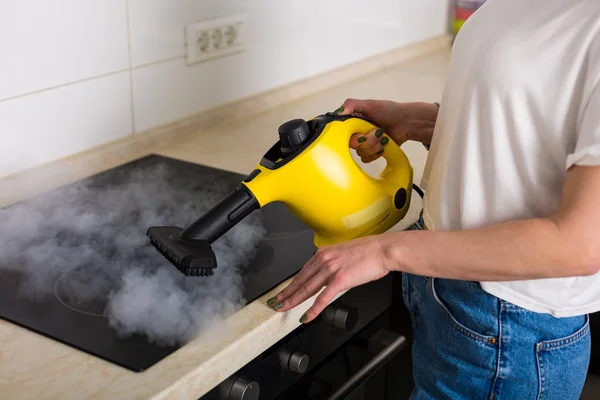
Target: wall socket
[(214, 38)]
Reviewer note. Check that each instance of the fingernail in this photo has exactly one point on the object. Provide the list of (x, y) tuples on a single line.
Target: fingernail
[(271, 301), (379, 152), (303, 318), (384, 141), (277, 306), (361, 139), (339, 110), (379, 133)]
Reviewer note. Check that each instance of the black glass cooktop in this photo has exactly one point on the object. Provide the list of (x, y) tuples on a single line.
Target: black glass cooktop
[(77, 267)]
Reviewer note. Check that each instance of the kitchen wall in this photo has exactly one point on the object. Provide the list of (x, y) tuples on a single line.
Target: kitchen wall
[(75, 74)]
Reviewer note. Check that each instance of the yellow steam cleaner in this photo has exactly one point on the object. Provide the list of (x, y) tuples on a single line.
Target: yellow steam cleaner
[(310, 170)]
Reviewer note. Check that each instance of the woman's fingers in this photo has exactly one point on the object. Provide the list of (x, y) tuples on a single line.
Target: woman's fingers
[(305, 274), (363, 108), (319, 271), (368, 143), (371, 158), (357, 141), (305, 291), (321, 302), (369, 146)]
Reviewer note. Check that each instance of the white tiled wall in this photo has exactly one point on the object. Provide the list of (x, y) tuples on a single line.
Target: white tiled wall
[(69, 119), (55, 42), (65, 69)]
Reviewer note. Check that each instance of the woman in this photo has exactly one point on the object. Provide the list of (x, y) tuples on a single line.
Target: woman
[(502, 278)]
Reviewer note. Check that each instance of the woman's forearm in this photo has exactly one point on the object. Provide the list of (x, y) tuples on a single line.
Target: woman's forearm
[(517, 250), (423, 121)]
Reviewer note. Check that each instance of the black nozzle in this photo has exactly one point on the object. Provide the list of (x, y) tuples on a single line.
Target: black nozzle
[(189, 249), (191, 257)]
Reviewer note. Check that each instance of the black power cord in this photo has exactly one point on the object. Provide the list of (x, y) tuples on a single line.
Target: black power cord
[(418, 190)]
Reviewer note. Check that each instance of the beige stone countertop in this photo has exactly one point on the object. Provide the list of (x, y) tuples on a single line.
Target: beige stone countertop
[(35, 367)]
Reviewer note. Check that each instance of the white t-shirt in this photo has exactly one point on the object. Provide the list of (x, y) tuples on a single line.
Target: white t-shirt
[(521, 105)]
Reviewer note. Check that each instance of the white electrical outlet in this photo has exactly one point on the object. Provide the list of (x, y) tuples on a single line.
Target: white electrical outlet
[(214, 38)]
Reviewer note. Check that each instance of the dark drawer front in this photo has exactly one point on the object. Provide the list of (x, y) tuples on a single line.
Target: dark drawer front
[(291, 358)]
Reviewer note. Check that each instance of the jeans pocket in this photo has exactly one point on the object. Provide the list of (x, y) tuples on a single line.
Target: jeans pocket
[(475, 315), (563, 364)]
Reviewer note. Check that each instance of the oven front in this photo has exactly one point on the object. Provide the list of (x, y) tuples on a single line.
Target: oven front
[(359, 348)]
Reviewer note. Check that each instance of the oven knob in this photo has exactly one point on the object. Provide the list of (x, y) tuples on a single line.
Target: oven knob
[(244, 390), (294, 361), (341, 317), (298, 363)]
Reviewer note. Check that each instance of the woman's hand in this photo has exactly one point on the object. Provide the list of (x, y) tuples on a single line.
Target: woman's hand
[(400, 121), (337, 268)]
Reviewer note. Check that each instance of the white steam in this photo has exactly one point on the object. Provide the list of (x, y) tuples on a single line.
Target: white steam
[(87, 243)]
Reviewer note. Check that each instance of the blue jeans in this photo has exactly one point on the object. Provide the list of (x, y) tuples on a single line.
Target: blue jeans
[(469, 344)]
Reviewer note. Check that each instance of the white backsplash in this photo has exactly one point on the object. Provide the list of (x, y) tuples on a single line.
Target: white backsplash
[(66, 120), (77, 74), (56, 42)]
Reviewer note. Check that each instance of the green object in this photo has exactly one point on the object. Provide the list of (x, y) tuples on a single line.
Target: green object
[(458, 25)]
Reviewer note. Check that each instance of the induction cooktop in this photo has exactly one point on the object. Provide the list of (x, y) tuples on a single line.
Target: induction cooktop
[(77, 267)]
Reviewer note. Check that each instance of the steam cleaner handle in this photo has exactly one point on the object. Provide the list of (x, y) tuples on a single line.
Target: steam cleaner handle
[(398, 165)]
